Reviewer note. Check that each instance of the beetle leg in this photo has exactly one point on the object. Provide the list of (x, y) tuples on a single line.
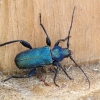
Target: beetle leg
[(31, 73), (13, 77), (57, 43), (48, 41), (59, 65), (55, 77), (24, 43), (65, 72)]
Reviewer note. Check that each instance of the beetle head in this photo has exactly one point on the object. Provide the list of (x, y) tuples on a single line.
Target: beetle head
[(66, 52)]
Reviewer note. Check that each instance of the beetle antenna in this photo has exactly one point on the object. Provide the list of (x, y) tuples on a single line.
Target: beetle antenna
[(70, 28), (81, 70)]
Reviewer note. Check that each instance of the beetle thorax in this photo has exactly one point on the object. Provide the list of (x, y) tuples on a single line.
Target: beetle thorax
[(58, 53)]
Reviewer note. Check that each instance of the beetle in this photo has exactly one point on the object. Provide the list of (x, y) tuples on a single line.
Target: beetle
[(38, 57)]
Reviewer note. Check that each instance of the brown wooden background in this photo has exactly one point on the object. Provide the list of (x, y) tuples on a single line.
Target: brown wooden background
[(19, 19)]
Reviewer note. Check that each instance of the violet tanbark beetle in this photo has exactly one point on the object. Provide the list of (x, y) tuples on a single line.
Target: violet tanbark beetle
[(38, 57)]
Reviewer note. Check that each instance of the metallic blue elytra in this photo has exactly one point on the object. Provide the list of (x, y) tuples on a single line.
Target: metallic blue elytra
[(35, 57)]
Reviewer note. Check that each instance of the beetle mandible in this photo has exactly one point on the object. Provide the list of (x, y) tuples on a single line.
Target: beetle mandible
[(38, 57)]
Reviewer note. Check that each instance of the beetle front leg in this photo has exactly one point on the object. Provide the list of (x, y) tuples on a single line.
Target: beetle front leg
[(57, 64), (24, 43), (65, 72), (57, 43)]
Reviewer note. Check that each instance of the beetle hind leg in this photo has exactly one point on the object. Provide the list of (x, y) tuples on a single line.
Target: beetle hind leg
[(13, 77), (23, 42), (31, 73)]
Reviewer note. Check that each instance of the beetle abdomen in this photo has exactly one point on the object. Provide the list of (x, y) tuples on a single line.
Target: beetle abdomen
[(34, 58)]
